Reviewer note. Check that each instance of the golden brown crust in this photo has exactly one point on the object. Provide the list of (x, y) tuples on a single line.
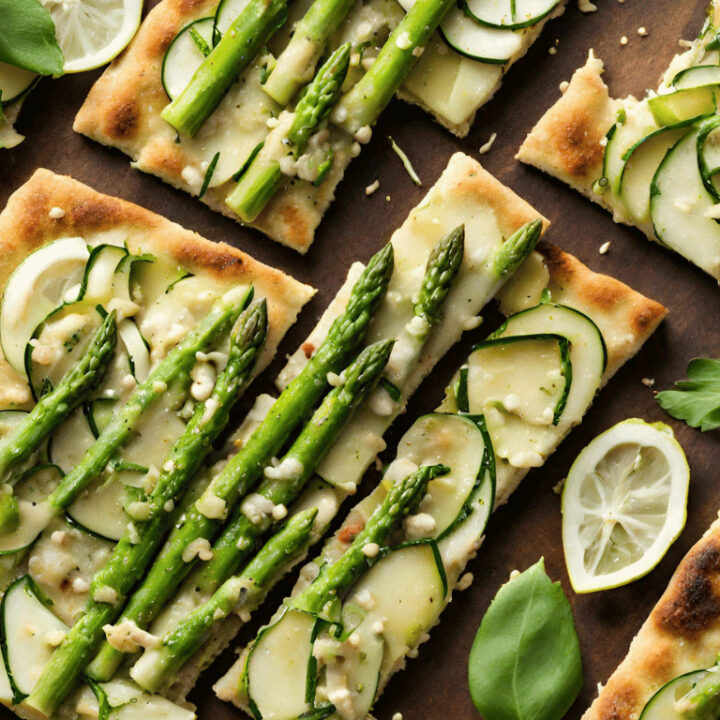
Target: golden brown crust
[(25, 224), (625, 317), (681, 634), (123, 110), (567, 141)]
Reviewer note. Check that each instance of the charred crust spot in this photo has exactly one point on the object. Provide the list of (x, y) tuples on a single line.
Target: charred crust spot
[(299, 234), (212, 258), (308, 348), (694, 602), (579, 145), (350, 532), (123, 120), (620, 704)]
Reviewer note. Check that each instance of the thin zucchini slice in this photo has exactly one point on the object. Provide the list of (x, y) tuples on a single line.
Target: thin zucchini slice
[(697, 76), (27, 628), (37, 287), (479, 42), (99, 412), (57, 344), (137, 347), (38, 482), (408, 587), (123, 700), (282, 650), (638, 123), (34, 518), (97, 283), (682, 105), (708, 153), (641, 162), (665, 704), (71, 441), (185, 55), (523, 444), (101, 509), (226, 13), (125, 272), (6, 692), (678, 203), (528, 375), (9, 419), (15, 82), (455, 441), (510, 14)]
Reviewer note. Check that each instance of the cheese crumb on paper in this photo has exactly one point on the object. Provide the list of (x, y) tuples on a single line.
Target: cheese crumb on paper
[(486, 146)]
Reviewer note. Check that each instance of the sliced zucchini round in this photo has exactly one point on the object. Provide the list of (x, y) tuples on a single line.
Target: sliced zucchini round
[(663, 705), (15, 82), (638, 123), (282, 651), (510, 14), (679, 202), (97, 283), (27, 625), (38, 482), (682, 105), (71, 440), (708, 152), (37, 287), (479, 42), (641, 162), (455, 441), (226, 13), (137, 347), (99, 412), (123, 700), (697, 76), (126, 271), (6, 692), (10, 419), (101, 509), (185, 55), (409, 589), (34, 518)]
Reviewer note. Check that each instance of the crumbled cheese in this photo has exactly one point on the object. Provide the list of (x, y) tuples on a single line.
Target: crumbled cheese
[(624, 40), (397, 716), (387, 198), (378, 627), (218, 614), (289, 469), (200, 548), (168, 466), (272, 122), (105, 594), (604, 247), (217, 358), (80, 585), (418, 51), (203, 376), (585, 6), (381, 403), (59, 537), (363, 135), (603, 141), (564, 85), (552, 50), (211, 405), (514, 574), (123, 308), (642, 31), (128, 382), (150, 479), (472, 322), (169, 506), (335, 380), (648, 382), (279, 512), (370, 189), (365, 599), (370, 550), (139, 510), (418, 326), (211, 506), (713, 212), (403, 41), (256, 508), (685, 43), (558, 486), (465, 581), (192, 177), (526, 459), (54, 637), (159, 386), (132, 533), (548, 415), (512, 402), (127, 637), (354, 641), (56, 213), (420, 525)]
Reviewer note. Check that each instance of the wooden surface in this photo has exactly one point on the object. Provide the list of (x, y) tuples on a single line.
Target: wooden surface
[(434, 687)]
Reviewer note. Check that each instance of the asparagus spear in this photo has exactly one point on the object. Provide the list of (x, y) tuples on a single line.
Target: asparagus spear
[(243, 470), (54, 407), (362, 105), (235, 51), (399, 501), (296, 63), (134, 553), (158, 664), (514, 251), (237, 541), (290, 137)]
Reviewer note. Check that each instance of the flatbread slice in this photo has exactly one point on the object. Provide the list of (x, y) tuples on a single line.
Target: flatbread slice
[(50, 206), (681, 634)]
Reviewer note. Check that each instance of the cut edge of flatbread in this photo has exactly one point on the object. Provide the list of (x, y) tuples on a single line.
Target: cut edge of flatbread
[(26, 223), (681, 634)]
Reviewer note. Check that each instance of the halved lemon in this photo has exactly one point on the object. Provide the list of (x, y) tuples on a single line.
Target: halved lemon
[(623, 504), (92, 32)]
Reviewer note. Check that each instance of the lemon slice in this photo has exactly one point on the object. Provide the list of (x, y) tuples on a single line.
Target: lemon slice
[(623, 505), (92, 32)]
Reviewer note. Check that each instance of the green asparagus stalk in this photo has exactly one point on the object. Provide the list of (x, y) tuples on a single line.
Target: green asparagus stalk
[(514, 251), (362, 105), (399, 501), (133, 554), (158, 664), (235, 51), (281, 486), (119, 430), (297, 62), (54, 407), (264, 177), (243, 470)]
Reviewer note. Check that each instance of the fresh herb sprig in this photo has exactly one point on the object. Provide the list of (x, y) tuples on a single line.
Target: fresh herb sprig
[(697, 399), (27, 37)]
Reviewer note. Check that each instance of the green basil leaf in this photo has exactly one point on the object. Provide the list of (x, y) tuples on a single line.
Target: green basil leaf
[(525, 661), (27, 37)]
